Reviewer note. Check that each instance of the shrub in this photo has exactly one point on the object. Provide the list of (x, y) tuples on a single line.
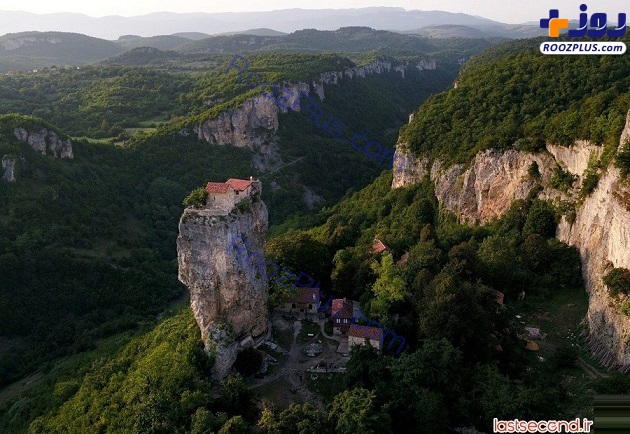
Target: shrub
[(196, 198), (540, 220), (618, 281), (590, 183), (561, 180), (623, 160), (625, 307), (534, 171)]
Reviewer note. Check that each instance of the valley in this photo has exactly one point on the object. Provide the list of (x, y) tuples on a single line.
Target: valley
[(488, 234)]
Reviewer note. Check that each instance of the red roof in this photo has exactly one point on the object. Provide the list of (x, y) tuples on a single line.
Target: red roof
[(239, 184), (500, 297), (358, 331), (341, 308), (378, 246), (222, 187), (217, 187)]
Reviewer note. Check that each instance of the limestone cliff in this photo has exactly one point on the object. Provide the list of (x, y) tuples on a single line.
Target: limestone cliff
[(8, 165), (228, 299), (601, 232), (485, 188), (255, 123), (46, 142)]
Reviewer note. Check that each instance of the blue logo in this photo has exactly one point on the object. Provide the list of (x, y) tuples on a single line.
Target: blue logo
[(598, 25)]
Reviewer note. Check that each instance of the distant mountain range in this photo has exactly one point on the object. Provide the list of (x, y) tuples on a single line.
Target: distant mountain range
[(35, 50), (498, 30), (289, 20)]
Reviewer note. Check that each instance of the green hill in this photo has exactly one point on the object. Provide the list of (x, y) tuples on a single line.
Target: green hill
[(511, 94), (449, 31), (345, 40), (160, 42), (28, 50), (143, 56), (87, 246)]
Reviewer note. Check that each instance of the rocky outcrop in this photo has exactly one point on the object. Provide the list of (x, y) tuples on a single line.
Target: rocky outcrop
[(485, 188), (601, 232), (242, 126), (14, 44), (575, 159), (255, 123), (228, 298), (46, 142), (8, 165)]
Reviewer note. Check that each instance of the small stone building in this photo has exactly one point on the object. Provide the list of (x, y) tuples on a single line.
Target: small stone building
[(226, 195), (357, 335), (304, 300)]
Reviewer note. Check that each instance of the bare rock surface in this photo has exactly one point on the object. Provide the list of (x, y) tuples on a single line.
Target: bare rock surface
[(45, 142), (228, 298)]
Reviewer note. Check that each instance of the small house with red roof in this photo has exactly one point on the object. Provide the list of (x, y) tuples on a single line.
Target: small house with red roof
[(227, 195), (359, 335), (304, 300), (378, 247), (342, 313)]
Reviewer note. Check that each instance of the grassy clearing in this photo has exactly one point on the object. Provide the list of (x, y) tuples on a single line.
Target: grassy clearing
[(558, 318)]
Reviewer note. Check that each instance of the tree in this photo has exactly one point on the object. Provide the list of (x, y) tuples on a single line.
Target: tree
[(357, 411), (462, 312), (204, 422), (366, 368), (618, 281), (389, 287), (300, 251), (236, 398), (297, 419), (197, 197), (541, 219), (425, 381), (235, 425)]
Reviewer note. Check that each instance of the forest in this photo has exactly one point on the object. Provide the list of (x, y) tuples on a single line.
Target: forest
[(95, 319)]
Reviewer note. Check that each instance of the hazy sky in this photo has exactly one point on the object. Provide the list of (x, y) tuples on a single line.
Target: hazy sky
[(500, 10)]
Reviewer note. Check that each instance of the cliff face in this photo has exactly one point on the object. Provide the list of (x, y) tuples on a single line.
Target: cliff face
[(228, 299), (46, 142), (240, 127), (255, 123), (8, 164), (601, 232), (485, 189)]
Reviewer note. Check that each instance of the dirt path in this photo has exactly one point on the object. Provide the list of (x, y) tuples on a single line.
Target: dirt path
[(293, 372)]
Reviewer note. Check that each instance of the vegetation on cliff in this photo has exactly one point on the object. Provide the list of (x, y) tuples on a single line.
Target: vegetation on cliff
[(511, 95)]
